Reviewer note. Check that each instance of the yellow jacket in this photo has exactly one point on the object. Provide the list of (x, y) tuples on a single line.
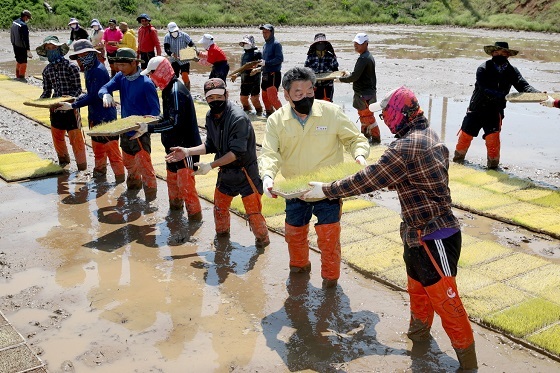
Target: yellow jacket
[(128, 40), (295, 150)]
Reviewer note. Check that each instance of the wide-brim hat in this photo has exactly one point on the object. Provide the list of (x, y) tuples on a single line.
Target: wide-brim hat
[(125, 55), (41, 51), (73, 20), (81, 46), (500, 45), (143, 16)]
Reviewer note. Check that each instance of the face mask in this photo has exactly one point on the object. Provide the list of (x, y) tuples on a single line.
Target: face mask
[(247, 47), (88, 60), (175, 34), (96, 28), (500, 60), (217, 107), (304, 105), (74, 26), (320, 47), (54, 55)]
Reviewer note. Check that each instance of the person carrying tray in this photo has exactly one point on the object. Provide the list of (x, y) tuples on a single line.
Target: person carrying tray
[(322, 59), (250, 82), (173, 42)]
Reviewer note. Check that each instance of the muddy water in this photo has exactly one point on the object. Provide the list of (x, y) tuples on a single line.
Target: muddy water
[(439, 64), (99, 281)]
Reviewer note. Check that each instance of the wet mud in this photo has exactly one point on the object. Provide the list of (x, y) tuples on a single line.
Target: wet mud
[(97, 280)]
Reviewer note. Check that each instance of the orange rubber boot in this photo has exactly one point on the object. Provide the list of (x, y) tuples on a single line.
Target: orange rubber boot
[(115, 158), (256, 101), (421, 312), (328, 240), (245, 103), (100, 159), (253, 208), (175, 202), (272, 93), (17, 70), (267, 105), (187, 192), (369, 126), (133, 180), (463, 144), (186, 80), (447, 303), (22, 70), (298, 247), (59, 142), (78, 144), (221, 212), (493, 149)]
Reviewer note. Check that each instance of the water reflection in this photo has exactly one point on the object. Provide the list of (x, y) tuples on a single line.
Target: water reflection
[(325, 332)]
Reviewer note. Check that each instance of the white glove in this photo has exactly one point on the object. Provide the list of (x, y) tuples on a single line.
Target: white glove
[(262, 63), (140, 131), (108, 100), (549, 102), (268, 183), (361, 160), (316, 191), (29, 54), (203, 168), (63, 106)]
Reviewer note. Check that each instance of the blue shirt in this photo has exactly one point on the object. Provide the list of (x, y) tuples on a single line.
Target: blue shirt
[(272, 56), (138, 97), (96, 77)]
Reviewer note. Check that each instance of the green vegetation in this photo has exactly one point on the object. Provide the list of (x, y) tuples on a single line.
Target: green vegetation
[(535, 15)]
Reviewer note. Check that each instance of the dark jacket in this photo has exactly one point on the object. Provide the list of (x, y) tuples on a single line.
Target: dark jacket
[(95, 78), (492, 86), (363, 76), (233, 132), (272, 55), (19, 34), (79, 34), (250, 56)]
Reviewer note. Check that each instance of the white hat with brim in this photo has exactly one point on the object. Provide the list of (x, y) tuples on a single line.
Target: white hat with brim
[(380, 105), (172, 27), (361, 38)]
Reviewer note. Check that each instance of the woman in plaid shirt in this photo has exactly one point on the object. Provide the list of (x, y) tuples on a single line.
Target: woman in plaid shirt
[(416, 166), (321, 59), (62, 78)]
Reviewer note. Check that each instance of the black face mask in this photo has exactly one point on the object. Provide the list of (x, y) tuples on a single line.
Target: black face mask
[(217, 107), (500, 60), (304, 105)]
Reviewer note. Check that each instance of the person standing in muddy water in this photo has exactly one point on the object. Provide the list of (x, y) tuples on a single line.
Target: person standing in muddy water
[(96, 76), (494, 79), (322, 59), (230, 135), (364, 84), (271, 67), (19, 36), (178, 127), (213, 56), (148, 40), (173, 42), (77, 32), (416, 166), (62, 78), (250, 84), (138, 97), (301, 137)]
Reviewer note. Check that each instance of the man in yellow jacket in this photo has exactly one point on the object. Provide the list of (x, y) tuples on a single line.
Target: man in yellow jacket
[(302, 136), (129, 39)]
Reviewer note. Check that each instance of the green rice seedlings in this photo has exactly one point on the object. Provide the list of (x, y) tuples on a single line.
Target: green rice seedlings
[(49, 102), (490, 299), (325, 175), (527, 317), (122, 125), (549, 339)]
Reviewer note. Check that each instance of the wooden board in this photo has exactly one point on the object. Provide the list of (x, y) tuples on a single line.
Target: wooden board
[(289, 195), (531, 97), (328, 76), (187, 54), (49, 102), (119, 126), (247, 66)]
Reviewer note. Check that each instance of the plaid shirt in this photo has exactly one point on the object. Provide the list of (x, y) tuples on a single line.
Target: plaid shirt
[(326, 64), (61, 79), (416, 166)]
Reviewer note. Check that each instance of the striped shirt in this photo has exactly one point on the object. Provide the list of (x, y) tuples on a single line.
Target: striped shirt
[(416, 166), (61, 79), (174, 45)]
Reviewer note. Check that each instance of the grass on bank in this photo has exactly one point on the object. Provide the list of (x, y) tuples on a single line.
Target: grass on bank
[(533, 15)]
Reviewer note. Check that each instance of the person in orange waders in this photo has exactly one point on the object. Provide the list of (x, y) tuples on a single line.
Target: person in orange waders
[(416, 166), (230, 135), (271, 66), (138, 97), (302, 136), (62, 78), (322, 59), (250, 82), (494, 79), (178, 127), (364, 84), (19, 36), (96, 76)]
